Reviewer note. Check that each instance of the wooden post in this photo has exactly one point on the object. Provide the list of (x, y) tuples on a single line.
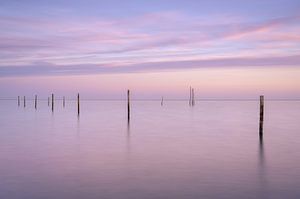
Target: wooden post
[(52, 102), (24, 102), (190, 100), (78, 105), (162, 101), (193, 97), (18, 100), (261, 115), (64, 102), (48, 101), (35, 102), (128, 105)]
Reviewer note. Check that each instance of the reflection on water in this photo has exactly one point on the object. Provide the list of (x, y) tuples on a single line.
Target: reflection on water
[(170, 151), (262, 175), (128, 134)]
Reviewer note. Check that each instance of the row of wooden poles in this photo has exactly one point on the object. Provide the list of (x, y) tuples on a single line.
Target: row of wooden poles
[(52, 102), (191, 103)]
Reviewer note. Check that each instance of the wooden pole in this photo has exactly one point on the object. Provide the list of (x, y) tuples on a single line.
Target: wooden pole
[(162, 101), (128, 105), (261, 115), (193, 97), (48, 101), (35, 102), (64, 102), (190, 100), (78, 105), (18, 100), (52, 102), (24, 102)]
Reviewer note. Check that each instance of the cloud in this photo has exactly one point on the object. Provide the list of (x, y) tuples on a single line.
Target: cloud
[(47, 69), (150, 37)]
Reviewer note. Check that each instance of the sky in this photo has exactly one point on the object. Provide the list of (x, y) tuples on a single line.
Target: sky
[(224, 49)]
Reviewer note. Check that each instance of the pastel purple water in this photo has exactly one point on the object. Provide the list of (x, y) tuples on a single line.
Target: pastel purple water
[(211, 150)]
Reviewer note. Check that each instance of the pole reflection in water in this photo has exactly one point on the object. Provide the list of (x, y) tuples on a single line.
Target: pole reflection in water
[(262, 172), (78, 126), (128, 136)]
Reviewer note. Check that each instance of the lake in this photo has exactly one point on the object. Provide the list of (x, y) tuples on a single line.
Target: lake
[(211, 150)]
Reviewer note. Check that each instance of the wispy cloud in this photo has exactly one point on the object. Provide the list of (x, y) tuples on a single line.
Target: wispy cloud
[(47, 69), (158, 38)]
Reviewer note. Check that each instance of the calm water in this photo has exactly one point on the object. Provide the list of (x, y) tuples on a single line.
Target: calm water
[(209, 151)]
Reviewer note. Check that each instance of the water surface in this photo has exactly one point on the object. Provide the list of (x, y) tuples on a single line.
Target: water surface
[(211, 150)]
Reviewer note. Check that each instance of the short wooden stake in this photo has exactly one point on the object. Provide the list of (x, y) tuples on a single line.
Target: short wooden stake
[(261, 115), (162, 101), (128, 105), (48, 101), (35, 102), (64, 102), (24, 102), (78, 105), (52, 102), (18, 100)]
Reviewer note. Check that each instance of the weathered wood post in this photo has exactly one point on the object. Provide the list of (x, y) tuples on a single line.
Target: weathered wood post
[(52, 102), (261, 115), (162, 101), (24, 102), (48, 101), (35, 102), (128, 105), (64, 102), (18, 100), (78, 105)]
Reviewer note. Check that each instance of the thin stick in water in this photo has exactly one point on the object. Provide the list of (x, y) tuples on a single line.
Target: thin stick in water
[(52, 102), (261, 115), (35, 102), (78, 105), (128, 105), (193, 97), (190, 100)]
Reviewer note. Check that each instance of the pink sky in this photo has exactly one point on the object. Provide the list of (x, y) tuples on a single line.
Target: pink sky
[(158, 49)]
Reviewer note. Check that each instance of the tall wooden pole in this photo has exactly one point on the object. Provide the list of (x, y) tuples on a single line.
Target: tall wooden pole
[(261, 115), (18, 100), (52, 102), (128, 105), (24, 102), (78, 105), (35, 102)]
